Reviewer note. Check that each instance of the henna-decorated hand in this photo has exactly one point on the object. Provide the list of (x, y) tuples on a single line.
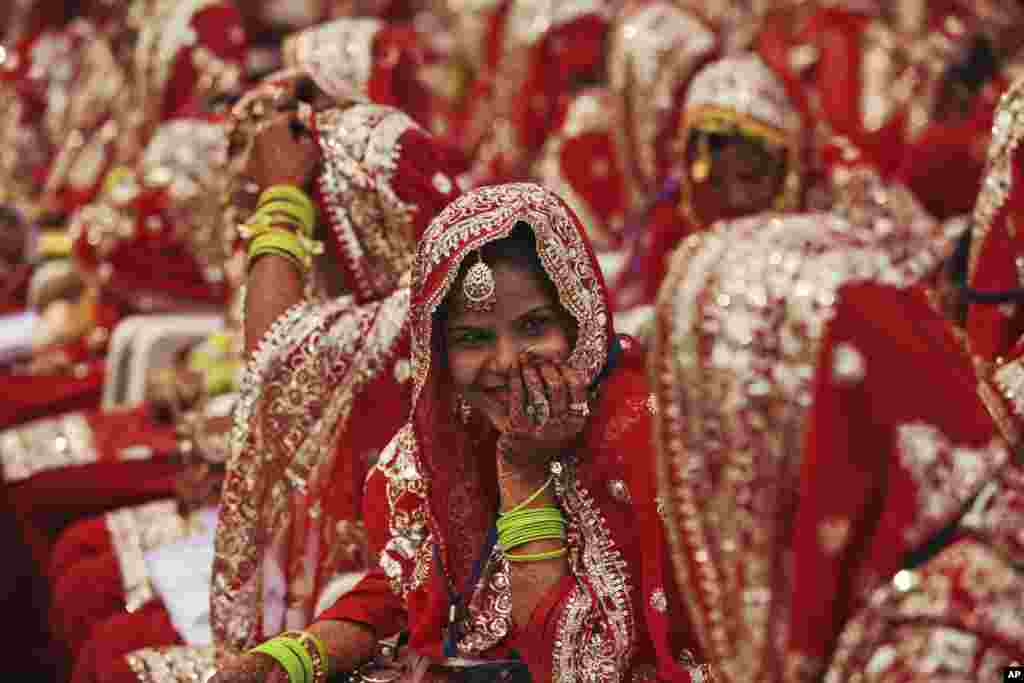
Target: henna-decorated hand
[(548, 410), (284, 153), (251, 668)]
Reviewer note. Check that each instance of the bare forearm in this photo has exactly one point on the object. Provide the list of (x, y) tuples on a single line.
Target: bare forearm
[(531, 581), (274, 285), (348, 644)]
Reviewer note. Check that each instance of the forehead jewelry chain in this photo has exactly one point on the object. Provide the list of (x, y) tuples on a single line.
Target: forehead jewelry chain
[(478, 287)]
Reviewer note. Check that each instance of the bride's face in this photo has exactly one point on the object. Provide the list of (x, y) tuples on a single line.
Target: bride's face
[(484, 349)]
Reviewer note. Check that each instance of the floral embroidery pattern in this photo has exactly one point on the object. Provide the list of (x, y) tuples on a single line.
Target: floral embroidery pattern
[(946, 476), (46, 444), (295, 396)]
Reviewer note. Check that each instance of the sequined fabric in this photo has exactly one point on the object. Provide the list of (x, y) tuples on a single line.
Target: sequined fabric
[(134, 531), (580, 162), (1007, 132), (373, 225), (176, 664), (654, 51), (46, 444), (339, 56), (296, 396), (741, 318), (958, 617)]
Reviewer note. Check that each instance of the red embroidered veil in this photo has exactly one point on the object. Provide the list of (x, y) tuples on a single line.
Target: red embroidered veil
[(431, 495)]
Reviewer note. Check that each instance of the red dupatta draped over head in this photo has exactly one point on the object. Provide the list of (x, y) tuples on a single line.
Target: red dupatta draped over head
[(432, 496), (655, 48), (580, 162), (292, 494), (739, 95), (363, 59), (455, 488), (535, 55)]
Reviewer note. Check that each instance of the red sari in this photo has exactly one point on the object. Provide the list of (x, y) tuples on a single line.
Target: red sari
[(819, 413), (431, 499), (535, 56), (171, 89), (740, 89), (324, 392), (151, 259)]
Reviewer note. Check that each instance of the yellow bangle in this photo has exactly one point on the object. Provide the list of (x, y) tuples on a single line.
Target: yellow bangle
[(281, 242), (302, 213), (257, 225), (287, 193)]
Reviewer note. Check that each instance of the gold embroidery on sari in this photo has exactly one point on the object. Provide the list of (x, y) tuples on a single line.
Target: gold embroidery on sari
[(295, 399), (135, 531), (46, 444), (945, 475), (744, 310), (950, 621), (176, 664), (597, 631)]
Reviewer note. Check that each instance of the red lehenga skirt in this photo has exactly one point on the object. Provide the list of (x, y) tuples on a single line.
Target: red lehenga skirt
[(43, 494)]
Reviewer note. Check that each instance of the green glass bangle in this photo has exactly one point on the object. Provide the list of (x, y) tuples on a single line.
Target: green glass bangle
[(544, 537), (257, 225), (509, 541), (528, 513), (538, 557), (296, 646), (317, 652), (526, 526), (286, 657), (530, 516)]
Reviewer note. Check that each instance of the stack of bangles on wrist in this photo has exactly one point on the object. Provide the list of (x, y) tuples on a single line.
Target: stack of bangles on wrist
[(283, 224), (523, 524), (300, 653)]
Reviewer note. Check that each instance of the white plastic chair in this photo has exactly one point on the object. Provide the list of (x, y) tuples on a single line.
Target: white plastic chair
[(147, 343)]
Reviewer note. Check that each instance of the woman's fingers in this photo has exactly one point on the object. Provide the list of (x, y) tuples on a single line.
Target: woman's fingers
[(557, 388), (538, 407)]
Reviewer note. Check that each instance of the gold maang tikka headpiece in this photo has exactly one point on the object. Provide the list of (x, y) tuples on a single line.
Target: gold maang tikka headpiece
[(478, 287)]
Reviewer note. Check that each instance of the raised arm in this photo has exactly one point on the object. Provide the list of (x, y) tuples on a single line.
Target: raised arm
[(283, 154)]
